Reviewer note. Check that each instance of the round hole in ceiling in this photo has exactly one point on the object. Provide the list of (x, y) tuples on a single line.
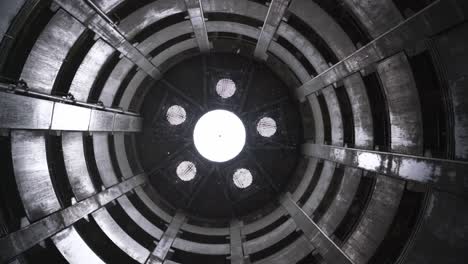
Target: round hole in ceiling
[(219, 135), (242, 178), (158, 138), (225, 88), (186, 171), (266, 127), (176, 115)]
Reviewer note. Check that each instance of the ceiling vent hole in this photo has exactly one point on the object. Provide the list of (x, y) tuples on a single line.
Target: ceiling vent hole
[(266, 127), (225, 88), (186, 171), (242, 178), (176, 115)]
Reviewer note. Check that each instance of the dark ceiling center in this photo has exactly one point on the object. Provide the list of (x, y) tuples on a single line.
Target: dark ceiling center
[(252, 92)]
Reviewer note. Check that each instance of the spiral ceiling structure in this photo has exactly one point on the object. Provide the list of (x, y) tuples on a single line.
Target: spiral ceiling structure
[(353, 117)]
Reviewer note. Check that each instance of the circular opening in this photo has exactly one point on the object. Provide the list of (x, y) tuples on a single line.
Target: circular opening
[(186, 170), (176, 115), (242, 178), (266, 127), (225, 88), (219, 135)]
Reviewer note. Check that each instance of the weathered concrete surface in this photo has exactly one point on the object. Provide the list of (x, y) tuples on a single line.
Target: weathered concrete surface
[(404, 109), (21, 240), (272, 20), (84, 13), (436, 18), (42, 67), (451, 53), (444, 175), (195, 11)]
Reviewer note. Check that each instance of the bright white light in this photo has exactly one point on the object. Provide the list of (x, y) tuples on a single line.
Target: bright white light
[(176, 115), (225, 88), (242, 178), (266, 127), (186, 170), (219, 135)]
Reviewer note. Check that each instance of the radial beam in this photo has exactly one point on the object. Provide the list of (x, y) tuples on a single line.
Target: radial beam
[(435, 18), (17, 242), (272, 20), (55, 113), (325, 246), (170, 262), (160, 252), (444, 175), (96, 20), (195, 11), (235, 237)]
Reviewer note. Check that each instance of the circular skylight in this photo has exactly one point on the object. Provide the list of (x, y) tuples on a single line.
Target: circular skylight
[(186, 170), (176, 115), (266, 127), (242, 178), (219, 135), (225, 88)]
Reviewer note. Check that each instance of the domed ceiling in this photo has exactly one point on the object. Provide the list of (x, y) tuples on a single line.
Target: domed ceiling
[(195, 85)]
